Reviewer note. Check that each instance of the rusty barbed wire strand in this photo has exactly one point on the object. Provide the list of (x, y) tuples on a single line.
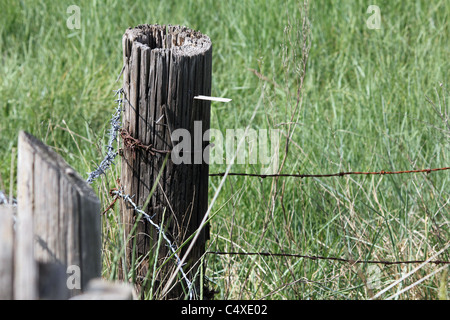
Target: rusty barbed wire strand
[(131, 142), (293, 255), (340, 174), (113, 202), (114, 195)]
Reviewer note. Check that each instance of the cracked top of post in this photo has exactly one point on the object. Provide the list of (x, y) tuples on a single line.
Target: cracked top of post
[(178, 39)]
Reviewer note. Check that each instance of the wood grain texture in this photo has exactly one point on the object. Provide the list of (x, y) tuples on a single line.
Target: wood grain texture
[(58, 224), (165, 67)]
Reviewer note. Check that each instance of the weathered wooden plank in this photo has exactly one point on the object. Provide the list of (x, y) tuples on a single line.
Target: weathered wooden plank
[(58, 225), (172, 69), (25, 266), (6, 251)]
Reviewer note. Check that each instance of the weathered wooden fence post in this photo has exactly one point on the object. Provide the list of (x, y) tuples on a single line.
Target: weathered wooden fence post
[(164, 68), (58, 227)]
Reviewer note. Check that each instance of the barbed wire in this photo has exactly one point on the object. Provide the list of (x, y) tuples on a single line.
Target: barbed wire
[(339, 174), (113, 133), (268, 254), (171, 245), (131, 143)]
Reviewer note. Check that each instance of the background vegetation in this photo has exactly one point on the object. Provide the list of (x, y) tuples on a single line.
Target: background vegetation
[(364, 108)]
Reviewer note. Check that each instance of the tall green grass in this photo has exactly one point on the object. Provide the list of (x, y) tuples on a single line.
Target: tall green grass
[(364, 109)]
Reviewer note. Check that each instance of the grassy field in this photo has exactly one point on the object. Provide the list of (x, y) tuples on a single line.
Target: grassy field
[(363, 107)]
